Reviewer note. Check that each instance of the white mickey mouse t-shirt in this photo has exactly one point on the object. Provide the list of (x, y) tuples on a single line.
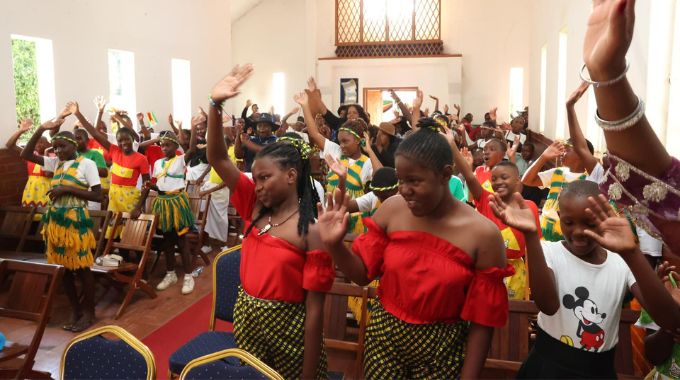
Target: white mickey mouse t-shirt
[(590, 296)]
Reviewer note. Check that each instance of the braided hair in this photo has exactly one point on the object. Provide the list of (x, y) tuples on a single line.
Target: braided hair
[(426, 146), (289, 154)]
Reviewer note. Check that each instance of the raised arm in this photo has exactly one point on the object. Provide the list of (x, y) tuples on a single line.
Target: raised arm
[(101, 138), (463, 162), (530, 177), (11, 143), (541, 277), (405, 113), (375, 161), (28, 153), (512, 150), (314, 135), (226, 88), (575, 133), (145, 131), (284, 121), (100, 103), (607, 40), (171, 121), (415, 113), (436, 102)]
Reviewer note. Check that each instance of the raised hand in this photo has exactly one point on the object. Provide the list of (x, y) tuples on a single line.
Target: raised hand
[(333, 221), (666, 271), (249, 103), (556, 149), (171, 120), (449, 135), (72, 107), (198, 120), (446, 109), (577, 94), (228, 87), (457, 107), (294, 110), (202, 112), (613, 232), (311, 84), (302, 99), (140, 118), (467, 155), (434, 97), (25, 125), (418, 101), (493, 113), (608, 37), (512, 150), (517, 215), (336, 166), (100, 103)]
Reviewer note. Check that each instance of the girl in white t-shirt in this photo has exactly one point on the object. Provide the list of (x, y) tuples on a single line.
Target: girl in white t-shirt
[(67, 227), (172, 207), (579, 284)]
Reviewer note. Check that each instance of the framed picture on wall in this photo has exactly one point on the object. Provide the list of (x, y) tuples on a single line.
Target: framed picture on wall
[(349, 91)]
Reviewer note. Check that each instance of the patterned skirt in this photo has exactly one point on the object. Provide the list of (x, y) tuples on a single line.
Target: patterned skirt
[(274, 332), (68, 235), (123, 198), (399, 350), (35, 192), (173, 212), (517, 283)]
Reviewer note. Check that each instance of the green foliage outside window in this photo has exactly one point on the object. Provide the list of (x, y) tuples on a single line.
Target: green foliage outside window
[(26, 83)]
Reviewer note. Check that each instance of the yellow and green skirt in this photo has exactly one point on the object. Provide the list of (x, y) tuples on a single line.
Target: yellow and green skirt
[(173, 212), (123, 198), (35, 192), (274, 332), (68, 235), (399, 350), (551, 229), (517, 283)]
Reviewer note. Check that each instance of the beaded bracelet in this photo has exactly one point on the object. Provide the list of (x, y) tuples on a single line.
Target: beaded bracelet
[(625, 123), (605, 83)]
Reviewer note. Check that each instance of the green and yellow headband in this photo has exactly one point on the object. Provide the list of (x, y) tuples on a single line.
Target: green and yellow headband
[(65, 138), (362, 141), (384, 188), (303, 148)]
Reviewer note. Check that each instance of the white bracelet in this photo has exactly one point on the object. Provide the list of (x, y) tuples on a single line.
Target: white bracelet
[(610, 82), (625, 123)]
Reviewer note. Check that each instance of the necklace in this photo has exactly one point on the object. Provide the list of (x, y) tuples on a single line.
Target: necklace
[(271, 225)]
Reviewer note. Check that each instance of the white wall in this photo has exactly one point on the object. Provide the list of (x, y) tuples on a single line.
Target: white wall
[(82, 31), (548, 18), (492, 36)]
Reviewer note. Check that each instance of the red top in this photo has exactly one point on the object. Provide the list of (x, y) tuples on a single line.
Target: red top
[(425, 279), (272, 268), (483, 174), (126, 169), (34, 169), (515, 245), (472, 132), (94, 144)]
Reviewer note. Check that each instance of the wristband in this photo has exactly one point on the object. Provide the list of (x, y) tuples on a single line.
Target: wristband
[(215, 104)]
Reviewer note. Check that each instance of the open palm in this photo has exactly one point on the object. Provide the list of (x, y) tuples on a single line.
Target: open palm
[(333, 221), (608, 35), (516, 214), (613, 232), (336, 166), (228, 87)]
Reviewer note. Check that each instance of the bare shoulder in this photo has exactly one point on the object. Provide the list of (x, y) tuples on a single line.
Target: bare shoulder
[(388, 210)]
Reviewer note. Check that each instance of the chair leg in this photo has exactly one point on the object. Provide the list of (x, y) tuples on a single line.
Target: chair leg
[(146, 288), (128, 297)]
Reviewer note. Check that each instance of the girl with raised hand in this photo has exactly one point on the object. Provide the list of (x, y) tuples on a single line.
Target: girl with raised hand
[(278, 316), (579, 284), (67, 225), (127, 165), (435, 275), (38, 183), (642, 174)]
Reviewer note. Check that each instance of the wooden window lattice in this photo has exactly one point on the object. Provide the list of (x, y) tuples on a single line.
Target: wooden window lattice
[(388, 28)]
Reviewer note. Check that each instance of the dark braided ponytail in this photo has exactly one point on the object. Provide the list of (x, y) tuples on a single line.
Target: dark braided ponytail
[(291, 154)]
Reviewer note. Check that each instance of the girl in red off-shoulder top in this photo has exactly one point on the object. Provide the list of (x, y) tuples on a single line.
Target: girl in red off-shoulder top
[(278, 316), (441, 267)]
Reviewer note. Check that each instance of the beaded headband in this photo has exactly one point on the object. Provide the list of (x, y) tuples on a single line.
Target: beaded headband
[(62, 137), (384, 188), (169, 138), (303, 148)]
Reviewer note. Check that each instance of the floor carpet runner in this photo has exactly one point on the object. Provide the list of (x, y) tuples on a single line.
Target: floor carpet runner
[(179, 330)]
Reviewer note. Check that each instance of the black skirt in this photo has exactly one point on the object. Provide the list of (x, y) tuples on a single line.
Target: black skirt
[(552, 359)]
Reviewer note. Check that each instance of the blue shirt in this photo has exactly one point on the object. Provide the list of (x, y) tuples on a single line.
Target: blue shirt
[(248, 156)]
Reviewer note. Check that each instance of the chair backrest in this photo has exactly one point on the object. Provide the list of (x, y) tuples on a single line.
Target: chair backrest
[(100, 221), (346, 351), (192, 188), (15, 222), (213, 366), (149, 202), (199, 208), (137, 233), (29, 297), (91, 356), (226, 280)]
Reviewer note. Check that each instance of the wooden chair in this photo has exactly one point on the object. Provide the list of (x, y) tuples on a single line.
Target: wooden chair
[(100, 220), (136, 235), (31, 291), (197, 238), (345, 351), (15, 223), (216, 366), (92, 356)]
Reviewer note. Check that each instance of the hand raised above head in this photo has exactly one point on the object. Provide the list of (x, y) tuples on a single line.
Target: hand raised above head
[(228, 87), (608, 37), (25, 125), (302, 99), (515, 214)]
